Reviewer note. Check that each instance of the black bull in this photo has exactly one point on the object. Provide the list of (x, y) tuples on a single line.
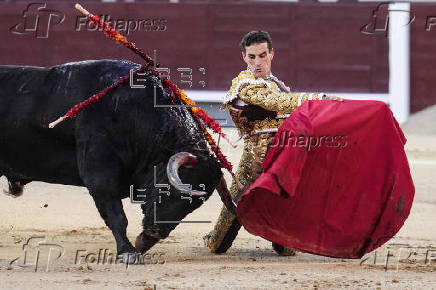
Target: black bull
[(118, 142)]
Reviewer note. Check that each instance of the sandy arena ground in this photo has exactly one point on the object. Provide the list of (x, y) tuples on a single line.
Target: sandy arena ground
[(66, 217)]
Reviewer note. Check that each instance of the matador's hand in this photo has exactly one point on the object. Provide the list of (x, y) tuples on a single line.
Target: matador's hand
[(334, 98)]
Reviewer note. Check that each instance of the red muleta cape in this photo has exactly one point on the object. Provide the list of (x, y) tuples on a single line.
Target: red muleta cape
[(342, 195)]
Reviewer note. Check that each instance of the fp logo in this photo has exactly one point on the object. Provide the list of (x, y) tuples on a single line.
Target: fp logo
[(37, 252), (379, 23), (38, 20)]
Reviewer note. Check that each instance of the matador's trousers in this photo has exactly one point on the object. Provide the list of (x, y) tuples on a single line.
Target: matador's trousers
[(250, 168)]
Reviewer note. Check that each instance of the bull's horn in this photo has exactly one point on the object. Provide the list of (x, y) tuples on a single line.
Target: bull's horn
[(225, 196), (188, 160)]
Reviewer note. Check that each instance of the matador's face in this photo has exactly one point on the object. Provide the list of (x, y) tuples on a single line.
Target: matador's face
[(258, 59)]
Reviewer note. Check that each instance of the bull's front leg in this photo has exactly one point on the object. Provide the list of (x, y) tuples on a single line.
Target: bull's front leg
[(101, 173), (112, 212), (107, 199)]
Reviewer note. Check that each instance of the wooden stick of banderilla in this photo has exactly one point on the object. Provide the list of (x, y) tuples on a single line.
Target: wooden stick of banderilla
[(54, 123), (81, 9), (94, 98)]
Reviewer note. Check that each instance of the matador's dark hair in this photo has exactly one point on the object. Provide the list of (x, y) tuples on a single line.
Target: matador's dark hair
[(256, 37)]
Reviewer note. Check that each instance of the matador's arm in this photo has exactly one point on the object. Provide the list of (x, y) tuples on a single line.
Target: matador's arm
[(273, 100)]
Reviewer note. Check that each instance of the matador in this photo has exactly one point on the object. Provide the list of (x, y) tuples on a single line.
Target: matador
[(258, 103)]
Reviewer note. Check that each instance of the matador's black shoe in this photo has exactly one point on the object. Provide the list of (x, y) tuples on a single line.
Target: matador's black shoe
[(283, 251), (220, 241)]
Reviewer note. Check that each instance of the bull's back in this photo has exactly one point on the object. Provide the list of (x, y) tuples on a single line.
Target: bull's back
[(31, 98)]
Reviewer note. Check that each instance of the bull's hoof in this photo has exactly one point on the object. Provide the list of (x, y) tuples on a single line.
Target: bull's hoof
[(283, 251), (131, 258), (15, 189), (144, 242)]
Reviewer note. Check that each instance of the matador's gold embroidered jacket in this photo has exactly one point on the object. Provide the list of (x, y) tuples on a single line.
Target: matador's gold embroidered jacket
[(261, 105)]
